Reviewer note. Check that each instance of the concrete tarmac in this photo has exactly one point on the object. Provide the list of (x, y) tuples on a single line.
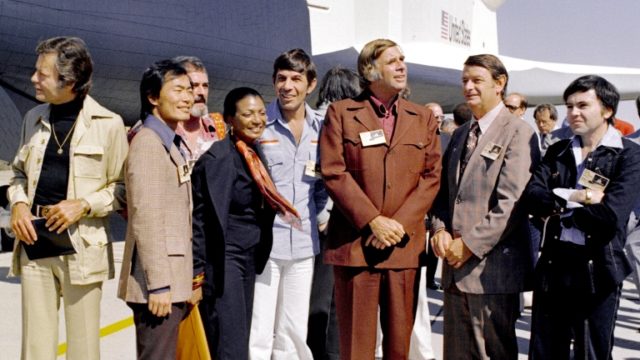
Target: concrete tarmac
[(118, 340)]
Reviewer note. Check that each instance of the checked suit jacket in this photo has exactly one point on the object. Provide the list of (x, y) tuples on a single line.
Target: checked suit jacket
[(158, 250), (483, 206)]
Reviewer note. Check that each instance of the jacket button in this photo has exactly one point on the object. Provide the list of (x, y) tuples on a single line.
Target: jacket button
[(388, 186), (556, 237)]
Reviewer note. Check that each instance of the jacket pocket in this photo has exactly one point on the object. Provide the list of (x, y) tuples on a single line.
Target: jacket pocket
[(87, 161), (175, 246)]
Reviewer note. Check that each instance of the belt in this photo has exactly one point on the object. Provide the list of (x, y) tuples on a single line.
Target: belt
[(41, 210)]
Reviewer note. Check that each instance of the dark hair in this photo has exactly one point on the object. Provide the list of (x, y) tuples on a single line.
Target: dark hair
[(152, 81), (337, 84), (73, 62), (295, 60), (553, 113), (605, 91), (235, 95), (190, 63), (461, 114), (491, 63)]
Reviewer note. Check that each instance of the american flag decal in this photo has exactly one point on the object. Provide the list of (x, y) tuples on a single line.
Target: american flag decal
[(444, 25)]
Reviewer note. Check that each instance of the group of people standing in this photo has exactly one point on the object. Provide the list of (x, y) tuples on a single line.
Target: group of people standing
[(230, 212)]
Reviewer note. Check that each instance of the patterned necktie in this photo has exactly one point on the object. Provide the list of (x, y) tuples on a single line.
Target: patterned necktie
[(472, 142), (543, 141), (260, 175)]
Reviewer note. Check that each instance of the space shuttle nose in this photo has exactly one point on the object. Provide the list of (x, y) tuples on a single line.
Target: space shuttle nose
[(493, 5)]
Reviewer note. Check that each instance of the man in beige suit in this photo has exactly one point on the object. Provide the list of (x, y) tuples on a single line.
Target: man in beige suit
[(68, 170), (157, 266), (478, 228)]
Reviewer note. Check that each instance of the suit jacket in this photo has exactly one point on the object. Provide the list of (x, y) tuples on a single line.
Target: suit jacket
[(398, 179), (482, 207), (213, 183), (604, 224), (157, 249)]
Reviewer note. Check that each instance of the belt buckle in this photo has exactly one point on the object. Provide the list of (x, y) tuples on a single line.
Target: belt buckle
[(42, 211)]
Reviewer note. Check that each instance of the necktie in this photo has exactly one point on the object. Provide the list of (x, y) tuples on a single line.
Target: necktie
[(470, 146), (543, 142), (260, 175)]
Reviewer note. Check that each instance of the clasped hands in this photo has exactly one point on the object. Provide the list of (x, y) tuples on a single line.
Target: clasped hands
[(454, 250), (386, 232), (59, 217)]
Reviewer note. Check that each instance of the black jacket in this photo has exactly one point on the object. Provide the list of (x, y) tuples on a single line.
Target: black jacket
[(213, 182), (603, 224)]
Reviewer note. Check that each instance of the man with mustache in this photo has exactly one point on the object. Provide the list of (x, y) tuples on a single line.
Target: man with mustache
[(203, 128)]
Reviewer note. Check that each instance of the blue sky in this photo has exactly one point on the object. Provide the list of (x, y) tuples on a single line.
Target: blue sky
[(593, 32)]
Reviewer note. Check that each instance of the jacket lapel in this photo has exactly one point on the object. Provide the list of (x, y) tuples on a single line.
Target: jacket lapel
[(220, 181), (404, 122), (366, 116)]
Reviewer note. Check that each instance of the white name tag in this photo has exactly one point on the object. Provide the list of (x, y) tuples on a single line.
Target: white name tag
[(491, 151), (184, 173), (593, 181), (312, 169), (375, 137)]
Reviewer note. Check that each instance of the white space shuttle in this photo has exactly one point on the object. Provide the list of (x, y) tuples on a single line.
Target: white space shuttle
[(239, 39)]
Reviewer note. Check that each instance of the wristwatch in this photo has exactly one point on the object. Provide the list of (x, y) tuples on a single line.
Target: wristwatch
[(587, 196)]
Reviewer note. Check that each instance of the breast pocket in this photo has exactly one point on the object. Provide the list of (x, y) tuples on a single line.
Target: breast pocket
[(415, 151), (87, 161)]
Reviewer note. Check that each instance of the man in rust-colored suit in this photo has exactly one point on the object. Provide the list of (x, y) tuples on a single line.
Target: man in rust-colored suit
[(380, 159)]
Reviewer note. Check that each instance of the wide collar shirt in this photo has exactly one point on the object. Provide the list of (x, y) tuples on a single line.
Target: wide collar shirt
[(287, 162), (166, 134), (612, 139), (387, 115), (485, 121)]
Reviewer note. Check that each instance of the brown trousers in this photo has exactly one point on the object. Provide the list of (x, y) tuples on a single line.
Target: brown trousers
[(359, 292)]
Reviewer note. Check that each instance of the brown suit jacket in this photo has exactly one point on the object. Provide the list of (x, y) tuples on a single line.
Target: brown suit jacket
[(483, 207), (399, 180), (157, 251)]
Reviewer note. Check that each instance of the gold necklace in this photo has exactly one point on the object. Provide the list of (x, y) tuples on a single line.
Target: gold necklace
[(55, 137)]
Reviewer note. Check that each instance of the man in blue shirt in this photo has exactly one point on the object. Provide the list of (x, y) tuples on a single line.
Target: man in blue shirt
[(290, 146)]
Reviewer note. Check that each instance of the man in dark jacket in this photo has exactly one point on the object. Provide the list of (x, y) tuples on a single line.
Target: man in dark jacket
[(586, 189)]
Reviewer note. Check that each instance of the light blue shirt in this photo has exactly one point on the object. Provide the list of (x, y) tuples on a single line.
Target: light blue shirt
[(286, 162)]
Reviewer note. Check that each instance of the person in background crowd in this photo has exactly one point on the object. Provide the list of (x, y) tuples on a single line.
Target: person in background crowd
[(478, 229), (157, 266), (322, 337), (517, 104), (633, 237), (382, 190), (68, 170), (462, 114), (290, 146), (586, 187), (203, 128), (545, 116)]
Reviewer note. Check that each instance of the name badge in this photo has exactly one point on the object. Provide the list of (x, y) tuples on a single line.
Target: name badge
[(491, 151), (370, 138), (593, 181), (184, 173), (312, 169)]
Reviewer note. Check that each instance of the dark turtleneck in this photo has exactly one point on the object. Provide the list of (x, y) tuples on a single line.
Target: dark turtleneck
[(54, 177)]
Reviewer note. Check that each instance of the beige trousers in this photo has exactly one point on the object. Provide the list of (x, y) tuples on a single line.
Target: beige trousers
[(44, 282)]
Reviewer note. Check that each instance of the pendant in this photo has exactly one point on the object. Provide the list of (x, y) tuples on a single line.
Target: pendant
[(59, 151)]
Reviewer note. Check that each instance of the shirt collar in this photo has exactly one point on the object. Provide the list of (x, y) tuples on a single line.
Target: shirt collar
[(381, 109), (611, 138), (167, 136), (274, 114), (488, 118)]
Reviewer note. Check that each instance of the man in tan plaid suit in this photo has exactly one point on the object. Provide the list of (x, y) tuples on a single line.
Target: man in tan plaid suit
[(478, 227)]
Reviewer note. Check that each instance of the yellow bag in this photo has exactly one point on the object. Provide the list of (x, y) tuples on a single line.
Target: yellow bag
[(192, 341)]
